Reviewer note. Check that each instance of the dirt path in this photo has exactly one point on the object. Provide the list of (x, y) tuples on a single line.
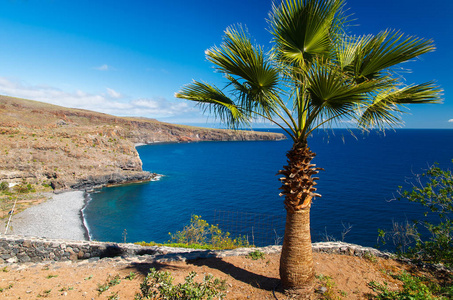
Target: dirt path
[(246, 278)]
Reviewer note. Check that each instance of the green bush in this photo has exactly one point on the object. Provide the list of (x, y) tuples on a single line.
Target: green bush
[(4, 186), (24, 187), (255, 255), (434, 191), (199, 232), (200, 235), (414, 288), (177, 245), (159, 285)]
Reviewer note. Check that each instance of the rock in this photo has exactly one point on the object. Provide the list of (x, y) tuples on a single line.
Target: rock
[(12, 260), (321, 290), (57, 185)]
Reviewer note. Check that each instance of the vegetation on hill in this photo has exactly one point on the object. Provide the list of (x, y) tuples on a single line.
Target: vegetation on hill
[(45, 147), (74, 148)]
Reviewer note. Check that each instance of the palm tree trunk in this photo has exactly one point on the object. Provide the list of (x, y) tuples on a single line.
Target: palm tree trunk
[(296, 262)]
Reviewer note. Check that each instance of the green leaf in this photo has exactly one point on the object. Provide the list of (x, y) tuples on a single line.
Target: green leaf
[(213, 99), (385, 108), (305, 29), (387, 49)]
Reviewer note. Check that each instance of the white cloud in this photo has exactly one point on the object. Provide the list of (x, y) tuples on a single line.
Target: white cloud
[(114, 94), (450, 121), (111, 102), (104, 67)]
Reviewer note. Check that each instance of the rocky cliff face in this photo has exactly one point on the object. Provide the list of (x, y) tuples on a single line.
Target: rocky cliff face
[(73, 148)]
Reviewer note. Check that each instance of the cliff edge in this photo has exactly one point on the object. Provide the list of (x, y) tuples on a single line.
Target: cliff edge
[(73, 148)]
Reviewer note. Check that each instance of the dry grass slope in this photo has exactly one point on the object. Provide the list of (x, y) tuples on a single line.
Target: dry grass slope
[(67, 148)]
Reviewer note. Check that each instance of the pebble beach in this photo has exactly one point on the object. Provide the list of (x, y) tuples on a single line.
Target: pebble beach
[(57, 218)]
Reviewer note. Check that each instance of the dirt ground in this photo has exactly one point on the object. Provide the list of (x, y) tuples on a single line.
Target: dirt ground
[(345, 277)]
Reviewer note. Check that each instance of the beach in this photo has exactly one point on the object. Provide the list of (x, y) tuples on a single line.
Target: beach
[(57, 218)]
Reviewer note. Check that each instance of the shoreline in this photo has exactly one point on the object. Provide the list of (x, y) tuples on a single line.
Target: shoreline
[(60, 217), (86, 231)]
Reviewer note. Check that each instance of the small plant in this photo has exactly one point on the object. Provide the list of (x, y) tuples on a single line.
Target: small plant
[(255, 255), (89, 277), (109, 283), (51, 276), (4, 186), (24, 187), (115, 281), (159, 285), (414, 288), (102, 288), (7, 288), (131, 276), (5, 270), (328, 282), (114, 296), (44, 294), (370, 257)]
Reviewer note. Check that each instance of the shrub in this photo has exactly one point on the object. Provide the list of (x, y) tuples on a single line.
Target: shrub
[(434, 191), (24, 187), (255, 255), (199, 232), (200, 235), (414, 287), (159, 285), (4, 186)]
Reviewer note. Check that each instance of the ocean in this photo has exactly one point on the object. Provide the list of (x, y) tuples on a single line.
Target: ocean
[(234, 185)]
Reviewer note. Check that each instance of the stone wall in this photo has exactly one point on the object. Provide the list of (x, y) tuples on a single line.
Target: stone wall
[(14, 248), (21, 249)]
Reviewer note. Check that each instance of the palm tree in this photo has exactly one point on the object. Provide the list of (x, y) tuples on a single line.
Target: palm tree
[(316, 75)]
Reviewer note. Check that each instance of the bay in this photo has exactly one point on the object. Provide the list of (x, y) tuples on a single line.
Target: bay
[(234, 185)]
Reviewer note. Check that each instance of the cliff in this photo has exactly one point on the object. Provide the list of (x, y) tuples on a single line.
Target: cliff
[(73, 148)]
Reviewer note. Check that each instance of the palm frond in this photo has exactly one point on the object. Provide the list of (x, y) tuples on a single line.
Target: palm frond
[(332, 95), (213, 100), (347, 49), (380, 114), (248, 70), (386, 107), (421, 93), (387, 49), (302, 29), (329, 87)]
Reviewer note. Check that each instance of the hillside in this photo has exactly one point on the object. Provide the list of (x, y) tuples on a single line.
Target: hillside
[(67, 148)]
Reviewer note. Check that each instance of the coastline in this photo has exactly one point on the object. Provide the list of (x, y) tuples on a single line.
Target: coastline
[(60, 217), (86, 200)]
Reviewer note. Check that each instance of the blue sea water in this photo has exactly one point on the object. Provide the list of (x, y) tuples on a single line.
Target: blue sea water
[(362, 173)]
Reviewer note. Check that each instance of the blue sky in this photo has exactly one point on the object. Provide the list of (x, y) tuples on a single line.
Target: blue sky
[(128, 58)]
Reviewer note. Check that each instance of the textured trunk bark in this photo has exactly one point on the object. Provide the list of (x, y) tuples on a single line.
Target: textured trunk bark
[(296, 262)]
